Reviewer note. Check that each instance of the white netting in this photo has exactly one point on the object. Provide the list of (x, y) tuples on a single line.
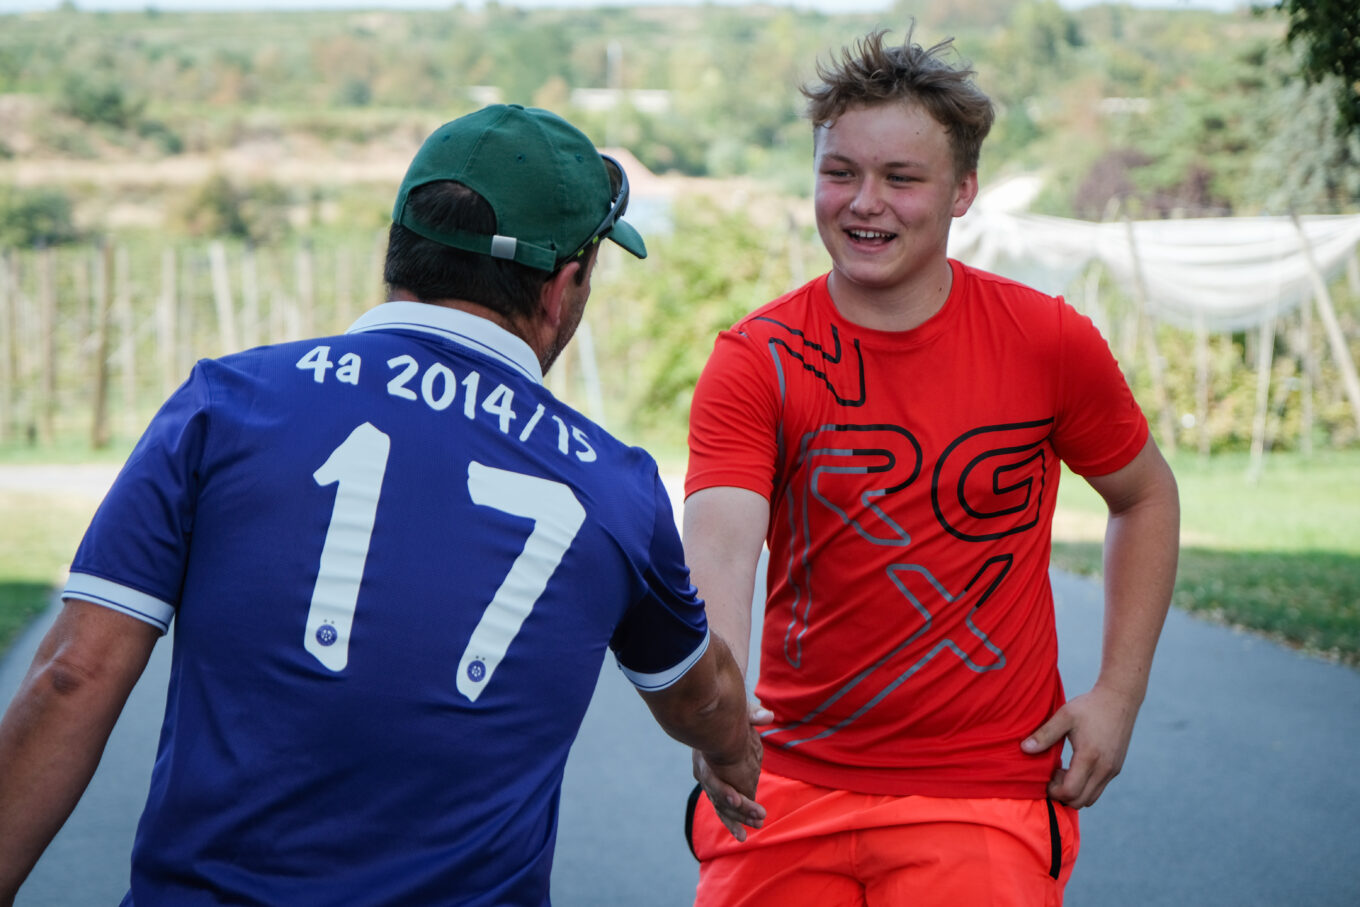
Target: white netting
[(1232, 272)]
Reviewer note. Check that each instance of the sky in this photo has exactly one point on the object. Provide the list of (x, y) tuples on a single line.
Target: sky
[(15, 6)]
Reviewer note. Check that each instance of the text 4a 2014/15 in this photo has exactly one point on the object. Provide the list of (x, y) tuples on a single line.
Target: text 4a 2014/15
[(437, 387)]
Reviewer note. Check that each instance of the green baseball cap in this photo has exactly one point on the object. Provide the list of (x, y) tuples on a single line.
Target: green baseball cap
[(546, 182)]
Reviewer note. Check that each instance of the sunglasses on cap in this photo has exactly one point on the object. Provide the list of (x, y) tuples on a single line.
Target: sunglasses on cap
[(617, 206)]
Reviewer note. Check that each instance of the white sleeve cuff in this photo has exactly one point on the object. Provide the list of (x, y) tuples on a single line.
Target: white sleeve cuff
[(120, 598), (663, 679)]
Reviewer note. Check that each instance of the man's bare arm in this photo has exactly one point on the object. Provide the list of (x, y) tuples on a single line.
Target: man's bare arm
[(706, 709), (57, 725)]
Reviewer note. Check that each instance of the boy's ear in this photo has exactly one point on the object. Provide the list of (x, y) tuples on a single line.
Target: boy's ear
[(968, 190)]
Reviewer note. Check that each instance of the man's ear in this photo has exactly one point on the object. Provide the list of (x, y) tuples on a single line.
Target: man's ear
[(554, 292)]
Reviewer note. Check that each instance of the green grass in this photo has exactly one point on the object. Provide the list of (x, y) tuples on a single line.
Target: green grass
[(1279, 554), (70, 449), (39, 530), (38, 534)]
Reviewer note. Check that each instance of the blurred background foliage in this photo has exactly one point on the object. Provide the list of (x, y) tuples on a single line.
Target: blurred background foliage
[(282, 128), (1166, 109)]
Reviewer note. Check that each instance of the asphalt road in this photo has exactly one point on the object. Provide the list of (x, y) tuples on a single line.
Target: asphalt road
[(1241, 787)]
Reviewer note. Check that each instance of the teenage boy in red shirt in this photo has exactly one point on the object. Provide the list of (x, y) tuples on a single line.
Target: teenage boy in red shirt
[(893, 431)]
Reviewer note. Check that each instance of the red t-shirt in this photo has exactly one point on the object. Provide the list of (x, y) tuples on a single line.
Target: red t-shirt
[(909, 641)]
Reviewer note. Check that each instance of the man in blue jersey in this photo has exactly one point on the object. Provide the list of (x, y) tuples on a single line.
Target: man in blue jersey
[(394, 562)]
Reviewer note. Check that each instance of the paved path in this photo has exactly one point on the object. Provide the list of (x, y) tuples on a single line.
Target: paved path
[(1241, 787)]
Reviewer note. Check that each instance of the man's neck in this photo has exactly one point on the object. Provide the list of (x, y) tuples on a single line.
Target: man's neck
[(462, 305), (544, 355)]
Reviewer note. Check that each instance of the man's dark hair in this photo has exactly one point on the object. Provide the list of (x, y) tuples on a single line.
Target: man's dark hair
[(431, 270)]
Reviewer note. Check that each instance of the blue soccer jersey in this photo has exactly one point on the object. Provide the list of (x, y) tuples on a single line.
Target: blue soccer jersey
[(394, 562)]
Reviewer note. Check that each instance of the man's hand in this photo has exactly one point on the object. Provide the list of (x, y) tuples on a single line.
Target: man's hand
[(732, 788), (707, 710), (1099, 725)]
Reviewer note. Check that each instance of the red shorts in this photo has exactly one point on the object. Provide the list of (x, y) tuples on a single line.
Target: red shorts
[(831, 848)]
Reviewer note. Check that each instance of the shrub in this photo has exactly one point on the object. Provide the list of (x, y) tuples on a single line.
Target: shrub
[(35, 217), (99, 102)]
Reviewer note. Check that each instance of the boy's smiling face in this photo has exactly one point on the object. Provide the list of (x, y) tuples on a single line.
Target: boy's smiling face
[(886, 192)]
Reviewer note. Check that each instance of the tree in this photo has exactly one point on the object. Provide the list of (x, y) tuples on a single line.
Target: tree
[(1329, 31), (1305, 164), (714, 263)]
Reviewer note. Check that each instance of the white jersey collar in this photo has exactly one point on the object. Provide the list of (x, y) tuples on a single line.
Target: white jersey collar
[(470, 330)]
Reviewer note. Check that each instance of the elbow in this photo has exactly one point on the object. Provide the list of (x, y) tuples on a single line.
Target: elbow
[(699, 708), (707, 708), (66, 678), (698, 702), (1157, 493)]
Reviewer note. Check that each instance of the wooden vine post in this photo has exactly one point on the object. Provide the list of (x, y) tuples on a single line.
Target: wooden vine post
[(102, 290)]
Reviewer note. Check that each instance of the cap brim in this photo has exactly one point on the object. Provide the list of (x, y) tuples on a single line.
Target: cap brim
[(627, 236)]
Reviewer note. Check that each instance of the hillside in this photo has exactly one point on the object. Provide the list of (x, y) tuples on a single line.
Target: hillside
[(1161, 111)]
